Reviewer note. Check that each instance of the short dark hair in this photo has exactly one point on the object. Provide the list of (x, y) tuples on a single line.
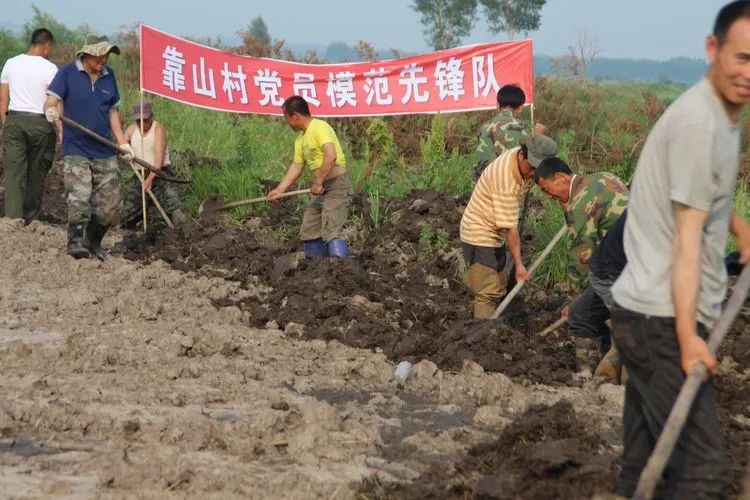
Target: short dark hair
[(549, 167), (730, 13), (42, 36), (296, 104), (511, 96)]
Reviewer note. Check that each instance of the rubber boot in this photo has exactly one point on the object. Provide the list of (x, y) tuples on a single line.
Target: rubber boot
[(93, 242), (179, 218), (314, 249), (184, 226), (483, 310), (338, 248), (76, 248), (610, 367)]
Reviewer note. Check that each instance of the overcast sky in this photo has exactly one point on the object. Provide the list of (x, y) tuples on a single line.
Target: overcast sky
[(652, 29)]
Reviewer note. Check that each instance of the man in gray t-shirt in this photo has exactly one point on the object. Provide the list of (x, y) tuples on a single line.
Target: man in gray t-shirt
[(679, 216)]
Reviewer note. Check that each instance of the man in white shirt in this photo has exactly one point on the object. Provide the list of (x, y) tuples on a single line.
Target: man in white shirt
[(670, 293), (28, 139)]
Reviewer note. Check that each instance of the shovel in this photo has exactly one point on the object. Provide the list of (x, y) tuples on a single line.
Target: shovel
[(107, 142), (652, 473), (212, 206)]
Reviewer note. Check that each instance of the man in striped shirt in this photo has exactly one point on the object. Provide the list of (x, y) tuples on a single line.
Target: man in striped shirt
[(491, 219)]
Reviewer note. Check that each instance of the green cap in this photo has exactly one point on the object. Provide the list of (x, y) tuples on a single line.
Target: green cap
[(540, 147)]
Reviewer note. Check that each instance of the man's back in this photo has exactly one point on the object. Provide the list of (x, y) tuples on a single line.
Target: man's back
[(494, 203), (596, 201), (27, 77), (496, 136), (691, 157)]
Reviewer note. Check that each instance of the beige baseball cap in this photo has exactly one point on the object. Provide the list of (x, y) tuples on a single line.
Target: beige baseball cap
[(97, 45)]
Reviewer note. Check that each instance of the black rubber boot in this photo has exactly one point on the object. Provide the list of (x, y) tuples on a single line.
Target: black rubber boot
[(93, 242), (76, 248)]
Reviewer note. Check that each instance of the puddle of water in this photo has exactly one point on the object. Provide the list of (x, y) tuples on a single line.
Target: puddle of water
[(340, 396), (26, 448), (8, 336)]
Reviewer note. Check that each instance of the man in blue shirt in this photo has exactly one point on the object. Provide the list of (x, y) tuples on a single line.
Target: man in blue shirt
[(86, 91)]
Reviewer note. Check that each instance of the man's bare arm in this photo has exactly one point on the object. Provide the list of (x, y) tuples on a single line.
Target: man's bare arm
[(686, 273), (740, 228), (4, 101)]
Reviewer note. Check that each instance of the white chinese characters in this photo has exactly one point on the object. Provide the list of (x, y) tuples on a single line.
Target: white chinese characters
[(304, 86), (234, 82), (376, 86), (484, 79), (341, 89), (172, 73), (411, 81), (203, 87), (269, 84), (449, 79)]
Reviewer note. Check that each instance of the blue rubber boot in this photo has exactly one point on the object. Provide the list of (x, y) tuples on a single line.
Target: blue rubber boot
[(338, 248), (315, 249)]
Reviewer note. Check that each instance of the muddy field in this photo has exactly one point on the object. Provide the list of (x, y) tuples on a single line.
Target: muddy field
[(228, 366)]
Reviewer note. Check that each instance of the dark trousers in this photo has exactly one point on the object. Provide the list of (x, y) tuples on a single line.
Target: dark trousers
[(587, 314), (698, 467), (29, 148)]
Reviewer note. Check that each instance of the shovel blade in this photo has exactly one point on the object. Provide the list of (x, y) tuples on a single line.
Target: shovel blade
[(210, 207)]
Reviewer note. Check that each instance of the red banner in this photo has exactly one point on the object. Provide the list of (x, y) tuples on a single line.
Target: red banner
[(460, 79)]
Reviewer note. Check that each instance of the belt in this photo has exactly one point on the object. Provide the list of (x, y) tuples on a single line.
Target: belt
[(24, 113)]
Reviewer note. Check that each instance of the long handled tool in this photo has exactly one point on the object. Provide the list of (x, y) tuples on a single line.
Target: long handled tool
[(107, 142), (551, 328), (153, 198), (677, 417), (212, 206), (504, 304)]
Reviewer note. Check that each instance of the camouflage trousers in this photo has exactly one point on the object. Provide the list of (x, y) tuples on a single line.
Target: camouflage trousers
[(92, 189), (132, 207)]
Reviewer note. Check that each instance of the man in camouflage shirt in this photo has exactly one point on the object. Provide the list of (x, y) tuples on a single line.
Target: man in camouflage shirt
[(504, 131), (593, 203)]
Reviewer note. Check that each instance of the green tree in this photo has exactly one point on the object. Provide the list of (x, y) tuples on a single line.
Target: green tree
[(340, 52), (446, 22), (9, 46), (62, 34), (513, 16), (259, 30)]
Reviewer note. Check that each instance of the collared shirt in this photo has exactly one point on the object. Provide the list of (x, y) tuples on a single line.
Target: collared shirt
[(595, 203), (493, 207), (87, 103)]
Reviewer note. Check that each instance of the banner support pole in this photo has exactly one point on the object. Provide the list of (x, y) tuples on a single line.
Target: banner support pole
[(143, 173)]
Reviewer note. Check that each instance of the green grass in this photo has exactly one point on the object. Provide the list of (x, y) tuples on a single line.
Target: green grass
[(544, 224), (597, 126), (742, 206)]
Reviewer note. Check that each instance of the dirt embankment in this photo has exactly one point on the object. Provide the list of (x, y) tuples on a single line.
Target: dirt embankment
[(239, 369), (401, 294)]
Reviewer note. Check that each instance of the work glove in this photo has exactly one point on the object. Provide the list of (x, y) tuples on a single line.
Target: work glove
[(51, 114), (126, 151)]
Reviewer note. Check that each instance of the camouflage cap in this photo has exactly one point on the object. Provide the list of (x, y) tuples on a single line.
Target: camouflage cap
[(540, 147), (97, 45)]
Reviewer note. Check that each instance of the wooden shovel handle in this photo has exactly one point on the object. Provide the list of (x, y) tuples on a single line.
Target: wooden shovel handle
[(261, 199)]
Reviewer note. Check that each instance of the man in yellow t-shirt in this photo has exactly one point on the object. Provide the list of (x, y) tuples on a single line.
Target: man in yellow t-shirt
[(318, 148)]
